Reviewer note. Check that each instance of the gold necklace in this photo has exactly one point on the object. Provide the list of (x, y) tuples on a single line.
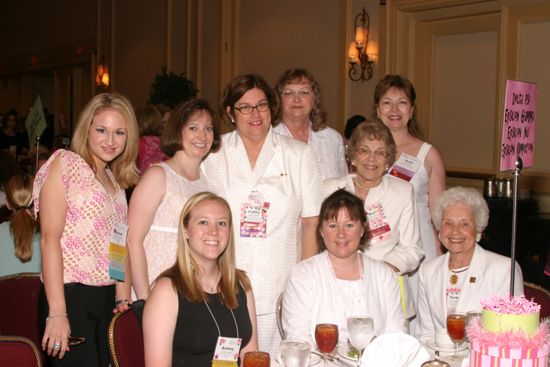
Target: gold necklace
[(454, 278)]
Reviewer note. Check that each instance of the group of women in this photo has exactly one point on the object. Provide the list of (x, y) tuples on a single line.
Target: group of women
[(214, 233)]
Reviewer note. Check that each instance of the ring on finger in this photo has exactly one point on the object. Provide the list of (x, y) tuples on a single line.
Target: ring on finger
[(56, 345)]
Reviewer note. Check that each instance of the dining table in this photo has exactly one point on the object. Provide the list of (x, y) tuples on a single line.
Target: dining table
[(338, 361)]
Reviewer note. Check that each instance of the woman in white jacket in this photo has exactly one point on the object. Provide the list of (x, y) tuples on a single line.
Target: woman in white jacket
[(458, 280), (341, 281)]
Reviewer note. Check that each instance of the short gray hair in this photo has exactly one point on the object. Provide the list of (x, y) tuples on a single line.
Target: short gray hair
[(465, 196)]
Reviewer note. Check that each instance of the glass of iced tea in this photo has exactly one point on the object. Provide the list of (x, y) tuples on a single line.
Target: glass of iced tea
[(256, 359), (456, 327), (326, 337)]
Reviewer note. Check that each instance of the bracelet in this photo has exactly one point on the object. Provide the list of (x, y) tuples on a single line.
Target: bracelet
[(54, 316), (122, 301)]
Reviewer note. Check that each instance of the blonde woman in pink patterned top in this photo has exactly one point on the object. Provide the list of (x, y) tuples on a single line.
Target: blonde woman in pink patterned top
[(79, 197), (165, 188)]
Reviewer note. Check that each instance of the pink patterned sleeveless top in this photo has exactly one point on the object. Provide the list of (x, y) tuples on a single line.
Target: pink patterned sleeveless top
[(91, 214)]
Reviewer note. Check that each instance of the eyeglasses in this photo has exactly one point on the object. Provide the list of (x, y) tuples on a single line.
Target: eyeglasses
[(302, 93), (247, 109), (379, 154)]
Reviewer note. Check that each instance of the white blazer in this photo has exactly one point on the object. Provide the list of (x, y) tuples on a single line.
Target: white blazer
[(487, 275), (312, 296)]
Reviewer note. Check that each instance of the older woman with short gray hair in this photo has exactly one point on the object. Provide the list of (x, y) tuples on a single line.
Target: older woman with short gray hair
[(458, 280)]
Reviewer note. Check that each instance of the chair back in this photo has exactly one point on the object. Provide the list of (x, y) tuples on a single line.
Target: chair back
[(126, 340), (540, 295), (279, 315), (19, 305), (19, 351)]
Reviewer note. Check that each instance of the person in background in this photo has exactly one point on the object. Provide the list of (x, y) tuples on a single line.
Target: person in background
[(301, 116), (351, 124), (203, 297), (8, 169), (151, 124), (342, 281), (417, 161), (273, 186), (9, 140), (19, 238), (79, 197), (191, 133), (389, 203), (458, 280)]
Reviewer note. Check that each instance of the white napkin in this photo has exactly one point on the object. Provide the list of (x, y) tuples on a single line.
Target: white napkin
[(395, 350)]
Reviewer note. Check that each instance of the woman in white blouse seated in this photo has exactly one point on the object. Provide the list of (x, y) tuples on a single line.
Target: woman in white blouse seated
[(458, 280), (341, 281)]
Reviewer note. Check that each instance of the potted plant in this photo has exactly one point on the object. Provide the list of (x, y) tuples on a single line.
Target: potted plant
[(170, 89)]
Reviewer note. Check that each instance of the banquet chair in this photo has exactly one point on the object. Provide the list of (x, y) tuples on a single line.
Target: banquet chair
[(540, 295), (19, 304), (279, 315), (19, 351), (126, 339)]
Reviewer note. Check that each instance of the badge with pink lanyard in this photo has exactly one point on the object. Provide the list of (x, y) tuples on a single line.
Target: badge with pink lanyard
[(254, 214), (379, 228)]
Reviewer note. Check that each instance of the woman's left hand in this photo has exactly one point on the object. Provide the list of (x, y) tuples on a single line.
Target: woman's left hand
[(122, 305)]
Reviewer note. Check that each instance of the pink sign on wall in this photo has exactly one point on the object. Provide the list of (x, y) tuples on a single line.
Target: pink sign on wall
[(518, 130)]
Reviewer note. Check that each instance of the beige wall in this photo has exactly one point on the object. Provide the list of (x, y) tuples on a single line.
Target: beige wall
[(459, 55)]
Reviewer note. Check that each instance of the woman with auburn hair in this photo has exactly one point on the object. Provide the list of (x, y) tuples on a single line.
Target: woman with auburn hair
[(190, 135), (202, 297), (79, 197), (19, 238), (301, 116), (417, 161)]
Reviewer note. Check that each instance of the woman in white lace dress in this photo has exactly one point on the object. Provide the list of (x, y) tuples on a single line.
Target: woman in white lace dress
[(163, 190)]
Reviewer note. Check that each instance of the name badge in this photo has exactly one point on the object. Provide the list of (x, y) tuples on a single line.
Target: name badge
[(405, 167), (379, 228), (118, 251), (226, 352), (254, 214)]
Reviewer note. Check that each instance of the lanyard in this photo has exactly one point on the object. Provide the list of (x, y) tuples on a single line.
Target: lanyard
[(216, 322)]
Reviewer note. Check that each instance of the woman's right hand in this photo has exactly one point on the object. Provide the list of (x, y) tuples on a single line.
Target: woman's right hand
[(57, 333)]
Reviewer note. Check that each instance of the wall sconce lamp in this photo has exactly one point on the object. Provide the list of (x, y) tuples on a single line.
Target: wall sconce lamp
[(360, 63), (102, 79)]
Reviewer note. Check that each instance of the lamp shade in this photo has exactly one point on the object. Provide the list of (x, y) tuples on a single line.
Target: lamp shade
[(360, 36), (353, 52)]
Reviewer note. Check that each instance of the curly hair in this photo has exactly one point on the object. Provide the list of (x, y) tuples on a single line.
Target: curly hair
[(373, 129), (467, 196)]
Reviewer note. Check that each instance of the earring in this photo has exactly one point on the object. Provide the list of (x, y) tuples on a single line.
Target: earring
[(478, 237), (353, 163)]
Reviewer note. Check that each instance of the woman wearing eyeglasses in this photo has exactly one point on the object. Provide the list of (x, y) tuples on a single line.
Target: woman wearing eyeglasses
[(273, 186), (389, 203), (301, 116)]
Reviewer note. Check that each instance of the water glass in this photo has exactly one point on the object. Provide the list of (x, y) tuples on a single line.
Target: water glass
[(294, 353)]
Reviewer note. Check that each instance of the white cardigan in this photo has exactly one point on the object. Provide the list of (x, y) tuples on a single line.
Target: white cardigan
[(487, 275), (312, 296)]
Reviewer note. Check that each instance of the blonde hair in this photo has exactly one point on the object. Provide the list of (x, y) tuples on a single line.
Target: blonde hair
[(185, 273), (123, 167), (22, 222)]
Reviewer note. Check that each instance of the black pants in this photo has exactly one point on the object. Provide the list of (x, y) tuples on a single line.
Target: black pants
[(90, 309)]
